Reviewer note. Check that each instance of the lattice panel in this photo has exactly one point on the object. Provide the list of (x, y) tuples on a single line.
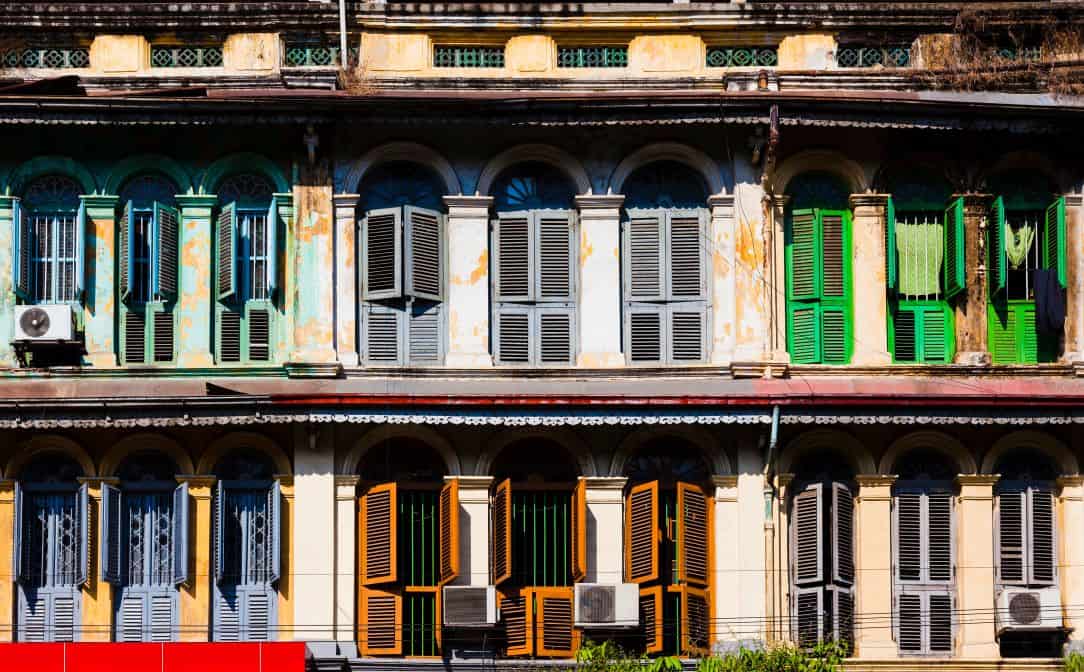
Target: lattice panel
[(868, 57), (462, 56), (592, 57), (186, 57), (61, 58), (741, 57)]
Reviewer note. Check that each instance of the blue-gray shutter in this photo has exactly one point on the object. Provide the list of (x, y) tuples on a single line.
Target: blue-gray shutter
[(513, 265), (130, 617), (21, 258), (424, 256), (82, 517), (124, 253), (271, 238), (110, 542), (426, 335), (226, 252), (644, 240), (166, 251), (64, 615), (257, 613), (555, 335), (686, 234), (33, 614), (220, 503), (19, 568), (555, 244), (381, 254), (180, 534), (80, 249), (644, 333), (227, 616), (687, 332), (807, 535), (383, 334), (512, 335), (161, 615), (274, 496)]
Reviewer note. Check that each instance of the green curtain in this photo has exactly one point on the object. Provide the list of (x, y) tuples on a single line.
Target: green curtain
[(921, 249)]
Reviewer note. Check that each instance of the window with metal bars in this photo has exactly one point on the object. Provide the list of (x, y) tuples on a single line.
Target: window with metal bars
[(53, 258), (467, 56), (50, 224)]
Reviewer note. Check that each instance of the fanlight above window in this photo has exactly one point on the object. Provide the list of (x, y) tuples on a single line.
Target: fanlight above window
[(532, 186)]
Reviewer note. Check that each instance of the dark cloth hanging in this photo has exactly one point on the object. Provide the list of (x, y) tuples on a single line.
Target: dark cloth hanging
[(1049, 302)]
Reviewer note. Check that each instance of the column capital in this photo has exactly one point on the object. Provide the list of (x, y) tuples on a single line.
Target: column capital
[(105, 203), (285, 481), (599, 201), (284, 198), (875, 480), (347, 480), (1064, 482), (197, 480), (780, 200), (345, 200), (97, 480), (197, 200), (868, 200), (7, 200), (1073, 200), (469, 202), (724, 480), (978, 480), (721, 200), (472, 482), (783, 481), (975, 200), (604, 482)]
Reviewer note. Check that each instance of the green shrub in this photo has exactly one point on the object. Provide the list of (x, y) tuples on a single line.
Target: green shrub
[(1074, 662)]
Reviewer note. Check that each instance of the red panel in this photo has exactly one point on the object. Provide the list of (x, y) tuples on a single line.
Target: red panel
[(36, 657), (104, 657), (180, 657), (283, 657), (193, 657)]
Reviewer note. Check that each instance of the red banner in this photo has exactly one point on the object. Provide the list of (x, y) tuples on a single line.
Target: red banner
[(172, 657)]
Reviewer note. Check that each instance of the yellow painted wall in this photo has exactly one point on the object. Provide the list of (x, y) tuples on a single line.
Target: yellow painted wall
[(195, 614), (7, 581)]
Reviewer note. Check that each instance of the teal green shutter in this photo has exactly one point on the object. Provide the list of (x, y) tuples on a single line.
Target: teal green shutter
[(803, 255), (890, 245), (226, 252), (804, 335), (21, 257), (80, 249), (835, 335), (954, 264), (166, 241), (995, 233), (1054, 253), (271, 241), (125, 252)]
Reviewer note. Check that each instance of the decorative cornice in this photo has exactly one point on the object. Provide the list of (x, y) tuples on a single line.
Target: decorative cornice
[(463, 201), (473, 482), (725, 480), (721, 200), (875, 480), (604, 482), (978, 479), (97, 480), (599, 201)]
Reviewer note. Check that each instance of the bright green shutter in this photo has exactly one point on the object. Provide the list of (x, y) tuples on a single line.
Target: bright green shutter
[(890, 245), (937, 336), (904, 335), (953, 264), (1027, 337), (1001, 330), (835, 315), (835, 335), (995, 233), (803, 255), (804, 333), (1054, 252)]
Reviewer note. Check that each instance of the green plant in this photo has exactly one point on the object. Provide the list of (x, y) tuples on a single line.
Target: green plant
[(824, 657), (607, 657), (665, 664), (1074, 662)]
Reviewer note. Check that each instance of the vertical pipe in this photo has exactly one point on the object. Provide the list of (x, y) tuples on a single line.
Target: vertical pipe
[(343, 53)]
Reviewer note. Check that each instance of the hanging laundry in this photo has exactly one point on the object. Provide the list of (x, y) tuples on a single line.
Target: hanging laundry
[(1017, 244), (1049, 302), (921, 248)]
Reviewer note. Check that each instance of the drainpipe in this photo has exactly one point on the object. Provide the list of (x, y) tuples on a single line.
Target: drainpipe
[(344, 55), (770, 544)]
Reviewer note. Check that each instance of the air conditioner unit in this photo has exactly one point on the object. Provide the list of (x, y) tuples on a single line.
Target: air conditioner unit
[(1028, 609), (601, 605), (43, 323), (470, 606)]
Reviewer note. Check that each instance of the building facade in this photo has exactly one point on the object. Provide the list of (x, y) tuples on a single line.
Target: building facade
[(472, 332)]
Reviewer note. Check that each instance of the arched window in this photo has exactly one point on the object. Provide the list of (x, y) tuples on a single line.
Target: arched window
[(668, 531), (539, 535), (247, 548), (401, 246), (665, 259), (51, 547), (409, 531), (145, 547), (1027, 269), (817, 234), (534, 271), (822, 550), (148, 257), (246, 272), (51, 230), (923, 536)]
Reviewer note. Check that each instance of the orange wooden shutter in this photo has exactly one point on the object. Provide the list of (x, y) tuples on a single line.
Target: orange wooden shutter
[(642, 533), (556, 634), (517, 617), (502, 532), (380, 613), (579, 531), (693, 551), (449, 531), (695, 621), (378, 533), (651, 618)]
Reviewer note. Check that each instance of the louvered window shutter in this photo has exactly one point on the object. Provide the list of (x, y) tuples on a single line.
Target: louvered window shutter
[(82, 517), (644, 332), (939, 608), (578, 513), (514, 263), (905, 335), (835, 255), (642, 534), (162, 617), (556, 634), (953, 265), (220, 532), (383, 334), (939, 537), (272, 248), (166, 241), (1011, 534), (1002, 327), (20, 543), (995, 250), (891, 251), (64, 614), (449, 531), (688, 327), (379, 533), (554, 233), (645, 278), (23, 247), (803, 255), (843, 614), (808, 615), (274, 524), (131, 612), (1054, 241), (110, 542), (651, 624), (135, 337), (512, 331), (555, 330), (124, 254), (517, 621), (693, 535), (80, 249), (938, 335), (835, 338), (226, 252), (909, 620), (807, 535), (379, 622), (425, 338), (180, 534), (842, 534), (229, 335), (163, 335), (259, 334), (687, 231), (908, 536), (804, 333), (502, 532), (228, 615), (1042, 565), (381, 271), (425, 253)]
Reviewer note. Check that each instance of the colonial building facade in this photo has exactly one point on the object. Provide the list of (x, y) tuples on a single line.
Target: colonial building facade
[(472, 332)]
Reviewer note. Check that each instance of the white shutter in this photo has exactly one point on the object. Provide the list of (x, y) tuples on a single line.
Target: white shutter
[(426, 334), (1042, 535), (1010, 535), (687, 329)]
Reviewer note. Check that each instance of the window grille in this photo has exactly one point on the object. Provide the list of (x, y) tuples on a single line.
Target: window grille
[(315, 55), (740, 57), (186, 56), (254, 256), (541, 528), (867, 57), (52, 58), (593, 57), (463, 56), (53, 257)]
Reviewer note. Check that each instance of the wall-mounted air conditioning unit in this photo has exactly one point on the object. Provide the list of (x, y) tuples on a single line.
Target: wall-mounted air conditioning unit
[(601, 605), (1028, 609), (43, 323), (470, 606)]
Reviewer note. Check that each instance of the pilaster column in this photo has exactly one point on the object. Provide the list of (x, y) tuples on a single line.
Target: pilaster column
[(286, 585), (777, 274), (195, 612), (314, 328), (7, 288), (473, 530), (195, 301), (870, 308), (313, 543), (7, 579), (1070, 530), (1074, 274), (97, 608), (605, 528), (971, 308), (732, 625), (722, 278), (100, 300), (779, 614), (975, 565), (873, 567), (468, 281), (752, 593), (600, 281), (289, 281), (346, 577), (751, 291), (346, 280)]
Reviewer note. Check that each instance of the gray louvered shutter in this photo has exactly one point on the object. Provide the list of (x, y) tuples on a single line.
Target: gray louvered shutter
[(808, 616), (807, 536), (426, 333), (257, 611), (63, 616), (909, 608), (219, 532), (166, 249), (33, 615), (162, 616), (424, 236), (80, 249), (939, 617), (20, 568), (229, 336), (124, 254), (110, 542), (180, 534), (1042, 547), (271, 238), (1011, 534), (382, 334), (130, 625), (843, 614), (513, 266), (554, 233), (226, 252), (512, 329), (555, 335), (685, 251), (842, 534), (644, 240), (274, 523), (227, 625), (23, 247), (687, 330), (82, 517), (939, 536), (908, 536), (381, 259), (644, 333)]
